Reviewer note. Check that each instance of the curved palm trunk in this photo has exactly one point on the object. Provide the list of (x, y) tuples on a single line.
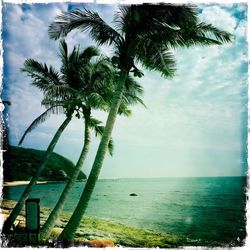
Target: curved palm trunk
[(69, 231), (49, 224), (17, 209)]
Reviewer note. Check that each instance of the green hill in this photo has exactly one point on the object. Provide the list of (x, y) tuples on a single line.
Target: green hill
[(20, 164)]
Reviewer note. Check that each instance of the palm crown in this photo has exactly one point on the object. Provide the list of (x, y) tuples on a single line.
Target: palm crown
[(143, 33), (83, 84)]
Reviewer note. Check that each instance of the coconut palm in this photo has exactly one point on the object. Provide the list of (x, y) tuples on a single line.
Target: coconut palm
[(55, 86), (18, 207), (99, 85), (145, 34)]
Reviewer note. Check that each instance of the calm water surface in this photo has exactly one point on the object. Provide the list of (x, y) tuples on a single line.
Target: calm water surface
[(197, 208)]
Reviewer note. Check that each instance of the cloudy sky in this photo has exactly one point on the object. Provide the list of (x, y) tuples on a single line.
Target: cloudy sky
[(194, 124)]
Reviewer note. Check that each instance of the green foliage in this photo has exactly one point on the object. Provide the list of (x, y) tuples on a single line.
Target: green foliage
[(144, 34), (21, 163), (86, 80), (96, 228), (42, 118), (98, 129)]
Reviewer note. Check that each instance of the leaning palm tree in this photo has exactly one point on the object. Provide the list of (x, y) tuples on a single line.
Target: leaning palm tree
[(98, 84), (18, 207), (53, 85), (145, 34)]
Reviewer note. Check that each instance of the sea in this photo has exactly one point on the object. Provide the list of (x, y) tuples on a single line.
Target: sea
[(201, 209)]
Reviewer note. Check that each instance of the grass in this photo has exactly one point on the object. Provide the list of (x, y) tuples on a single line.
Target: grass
[(20, 164), (93, 228), (124, 235)]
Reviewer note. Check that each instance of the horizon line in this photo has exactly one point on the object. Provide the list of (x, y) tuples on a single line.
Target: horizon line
[(221, 176)]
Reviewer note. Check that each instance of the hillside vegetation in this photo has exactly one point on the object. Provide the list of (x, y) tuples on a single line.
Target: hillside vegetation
[(20, 164)]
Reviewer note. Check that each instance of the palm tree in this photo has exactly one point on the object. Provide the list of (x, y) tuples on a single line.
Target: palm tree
[(18, 207), (53, 85), (145, 34), (99, 87)]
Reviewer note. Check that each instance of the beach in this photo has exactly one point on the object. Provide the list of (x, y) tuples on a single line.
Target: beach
[(20, 183), (24, 183), (96, 230)]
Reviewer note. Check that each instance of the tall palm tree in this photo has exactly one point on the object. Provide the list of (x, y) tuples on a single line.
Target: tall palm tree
[(145, 34), (99, 85), (53, 85)]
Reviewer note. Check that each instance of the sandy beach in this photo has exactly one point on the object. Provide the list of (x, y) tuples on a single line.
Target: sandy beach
[(22, 183)]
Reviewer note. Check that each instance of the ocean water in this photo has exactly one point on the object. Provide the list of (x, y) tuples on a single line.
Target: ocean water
[(202, 209)]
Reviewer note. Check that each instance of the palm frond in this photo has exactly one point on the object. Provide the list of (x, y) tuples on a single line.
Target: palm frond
[(132, 86), (40, 119), (163, 26), (98, 129), (59, 91), (103, 64), (111, 147), (48, 102), (124, 110), (96, 126), (138, 18), (88, 53), (201, 34), (85, 20), (132, 99), (96, 101), (132, 92), (208, 30), (74, 55), (75, 67), (41, 72), (157, 58), (101, 74), (63, 48)]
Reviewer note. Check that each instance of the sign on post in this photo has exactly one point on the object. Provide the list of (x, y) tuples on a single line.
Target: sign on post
[(33, 217)]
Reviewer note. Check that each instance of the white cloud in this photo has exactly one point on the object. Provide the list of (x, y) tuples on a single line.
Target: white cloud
[(27, 38), (199, 110), (219, 17)]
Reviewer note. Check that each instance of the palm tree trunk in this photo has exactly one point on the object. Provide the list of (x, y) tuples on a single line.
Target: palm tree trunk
[(69, 231), (17, 209), (50, 222)]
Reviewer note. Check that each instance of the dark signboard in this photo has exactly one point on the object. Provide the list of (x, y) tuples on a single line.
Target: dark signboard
[(32, 215)]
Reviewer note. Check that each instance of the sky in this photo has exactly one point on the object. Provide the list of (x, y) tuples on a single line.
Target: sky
[(194, 125)]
